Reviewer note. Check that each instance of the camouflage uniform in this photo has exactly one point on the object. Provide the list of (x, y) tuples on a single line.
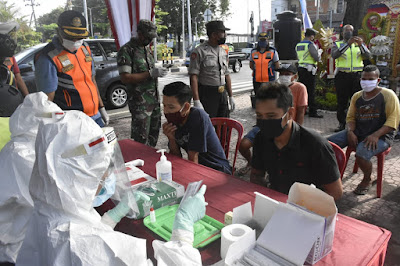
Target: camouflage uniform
[(143, 99)]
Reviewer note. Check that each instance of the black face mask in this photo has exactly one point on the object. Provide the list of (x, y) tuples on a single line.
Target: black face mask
[(221, 41), (271, 128), (347, 35)]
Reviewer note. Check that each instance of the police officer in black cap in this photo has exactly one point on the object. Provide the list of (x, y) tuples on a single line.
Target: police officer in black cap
[(65, 69), (209, 73)]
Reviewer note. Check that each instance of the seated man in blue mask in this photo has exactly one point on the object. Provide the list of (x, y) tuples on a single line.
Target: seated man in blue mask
[(287, 151), (190, 128)]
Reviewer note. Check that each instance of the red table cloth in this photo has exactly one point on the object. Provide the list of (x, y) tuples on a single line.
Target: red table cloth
[(355, 242)]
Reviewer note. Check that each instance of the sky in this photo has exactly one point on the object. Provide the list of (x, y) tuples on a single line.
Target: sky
[(238, 22)]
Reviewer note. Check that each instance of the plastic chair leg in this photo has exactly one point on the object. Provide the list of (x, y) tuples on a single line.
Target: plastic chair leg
[(381, 160)]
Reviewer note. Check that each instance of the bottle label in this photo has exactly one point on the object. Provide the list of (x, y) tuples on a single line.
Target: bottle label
[(166, 176)]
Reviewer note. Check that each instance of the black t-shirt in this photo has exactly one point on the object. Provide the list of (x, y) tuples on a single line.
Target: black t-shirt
[(307, 158), (198, 134)]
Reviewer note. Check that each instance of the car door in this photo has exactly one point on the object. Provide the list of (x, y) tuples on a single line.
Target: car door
[(27, 71), (101, 66)]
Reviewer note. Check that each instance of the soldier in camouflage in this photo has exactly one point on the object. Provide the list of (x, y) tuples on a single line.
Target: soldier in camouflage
[(137, 70)]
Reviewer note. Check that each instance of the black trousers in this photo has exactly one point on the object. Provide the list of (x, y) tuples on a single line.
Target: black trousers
[(308, 79), (214, 102), (346, 85)]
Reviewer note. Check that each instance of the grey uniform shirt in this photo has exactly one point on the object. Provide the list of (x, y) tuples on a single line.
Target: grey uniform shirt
[(210, 64)]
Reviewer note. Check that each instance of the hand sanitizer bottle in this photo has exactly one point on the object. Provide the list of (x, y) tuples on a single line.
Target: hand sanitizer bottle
[(163, 168)]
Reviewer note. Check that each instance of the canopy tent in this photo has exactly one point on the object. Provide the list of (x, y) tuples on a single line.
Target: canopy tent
[(124, 15)]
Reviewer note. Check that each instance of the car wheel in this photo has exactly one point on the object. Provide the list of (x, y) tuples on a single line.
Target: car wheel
[(117, 96), (236, 66)]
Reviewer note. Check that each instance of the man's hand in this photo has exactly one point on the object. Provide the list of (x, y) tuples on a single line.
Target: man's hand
[(158, 72), (231, 104), (104, 116), (352, 139), (371, 142), (169, 130)]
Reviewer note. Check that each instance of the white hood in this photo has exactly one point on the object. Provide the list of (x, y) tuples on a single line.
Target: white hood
[(16, 163), (65, 229)]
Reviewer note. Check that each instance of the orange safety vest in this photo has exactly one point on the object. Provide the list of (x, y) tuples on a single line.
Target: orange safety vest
[(76, 89), (9, 62), (263, 71)]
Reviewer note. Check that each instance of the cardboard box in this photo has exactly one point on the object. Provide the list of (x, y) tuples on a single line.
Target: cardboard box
[(301, 230)]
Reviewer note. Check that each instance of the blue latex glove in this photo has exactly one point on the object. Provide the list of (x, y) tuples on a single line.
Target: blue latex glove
[(122, 209), (191, 211)]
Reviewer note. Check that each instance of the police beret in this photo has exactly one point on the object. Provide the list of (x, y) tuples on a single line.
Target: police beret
[(215, 25), (310, 32), (73, 24), (148, 28)]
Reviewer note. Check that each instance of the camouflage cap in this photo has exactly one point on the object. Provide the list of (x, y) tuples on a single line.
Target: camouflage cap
[(73, 24), (147, 28)]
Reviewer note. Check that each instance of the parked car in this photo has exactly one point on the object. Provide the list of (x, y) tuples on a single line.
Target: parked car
[(235, 58), (104, 52)]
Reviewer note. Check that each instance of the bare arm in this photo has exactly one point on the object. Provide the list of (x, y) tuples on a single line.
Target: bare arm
[(334, 189), (21, 84), (101, 104), (193, 156), (300, 110), (50, 95), (134, 78), (251, 65), (372, 140), (195, 86), (169, 131), (228, 85), (257, 177), (277, 65)]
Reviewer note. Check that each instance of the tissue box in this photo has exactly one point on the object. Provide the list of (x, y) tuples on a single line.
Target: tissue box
[(321, 204)]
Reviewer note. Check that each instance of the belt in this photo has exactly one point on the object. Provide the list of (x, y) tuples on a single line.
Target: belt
[(220, 89)]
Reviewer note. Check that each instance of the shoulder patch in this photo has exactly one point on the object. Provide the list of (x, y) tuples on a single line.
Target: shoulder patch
[(121, 60), (193, 56)]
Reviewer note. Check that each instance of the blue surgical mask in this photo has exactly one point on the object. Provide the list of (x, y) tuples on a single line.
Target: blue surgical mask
[(106, 191)]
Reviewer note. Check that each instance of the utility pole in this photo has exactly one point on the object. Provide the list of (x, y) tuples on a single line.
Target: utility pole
[(189, 23), (317, 15), (33, 15), (91, 20), (259, 16), (183, 30), (85, 14)]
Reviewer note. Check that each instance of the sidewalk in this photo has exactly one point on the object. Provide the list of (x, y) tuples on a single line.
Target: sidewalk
[(383, 212)]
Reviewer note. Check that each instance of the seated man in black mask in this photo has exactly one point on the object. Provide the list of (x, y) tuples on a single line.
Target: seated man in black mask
[(287, 151), (190, 128)]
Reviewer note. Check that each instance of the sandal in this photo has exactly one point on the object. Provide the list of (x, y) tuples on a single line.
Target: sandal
[(362, 190)]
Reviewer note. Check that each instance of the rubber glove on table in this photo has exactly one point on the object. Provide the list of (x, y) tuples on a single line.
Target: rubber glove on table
[(190, 211), (113, 216)]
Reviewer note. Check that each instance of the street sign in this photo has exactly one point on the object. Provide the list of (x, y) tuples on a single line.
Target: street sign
[(207, 15)]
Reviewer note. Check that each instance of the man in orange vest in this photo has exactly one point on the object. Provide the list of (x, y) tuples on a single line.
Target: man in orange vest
[(10, 29), (65, 69), (263, 61)]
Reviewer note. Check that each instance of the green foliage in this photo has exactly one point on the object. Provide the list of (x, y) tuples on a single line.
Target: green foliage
[(325, 95), (100, 20), (51, 17), (159, 14), (48, 31)]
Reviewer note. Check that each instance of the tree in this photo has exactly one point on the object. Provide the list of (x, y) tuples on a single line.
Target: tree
[(355, 12), (100, 20), (51, 17), (26, 37)]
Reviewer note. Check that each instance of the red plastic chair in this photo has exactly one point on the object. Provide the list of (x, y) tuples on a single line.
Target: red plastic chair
[(223, 128), (340, 158), (381, 160)]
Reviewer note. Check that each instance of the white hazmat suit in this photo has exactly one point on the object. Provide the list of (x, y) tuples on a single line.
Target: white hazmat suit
[(16, 163), (64, 228)]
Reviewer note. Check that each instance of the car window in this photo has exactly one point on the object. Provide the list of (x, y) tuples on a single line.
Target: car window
[(110, 48), (29, 61), (96, 52)]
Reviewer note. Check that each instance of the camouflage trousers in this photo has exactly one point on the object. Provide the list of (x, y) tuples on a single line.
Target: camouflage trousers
[(146, 122)]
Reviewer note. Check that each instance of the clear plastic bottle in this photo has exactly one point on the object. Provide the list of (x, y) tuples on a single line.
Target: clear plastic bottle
[(163, 168)]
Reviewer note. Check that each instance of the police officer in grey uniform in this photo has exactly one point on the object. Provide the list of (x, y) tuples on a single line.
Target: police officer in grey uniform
[(209, 73)]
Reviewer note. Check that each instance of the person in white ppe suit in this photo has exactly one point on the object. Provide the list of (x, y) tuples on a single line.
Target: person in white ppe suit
[(72, 158), (16, 163)]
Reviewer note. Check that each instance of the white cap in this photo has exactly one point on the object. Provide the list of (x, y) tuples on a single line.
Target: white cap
[(6, 27)]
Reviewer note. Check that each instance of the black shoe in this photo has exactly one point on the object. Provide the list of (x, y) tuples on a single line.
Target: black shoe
[(340, 128), (316, 115)]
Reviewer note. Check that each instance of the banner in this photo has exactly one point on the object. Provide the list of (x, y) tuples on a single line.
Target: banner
[(306, 19), (124, 15)]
